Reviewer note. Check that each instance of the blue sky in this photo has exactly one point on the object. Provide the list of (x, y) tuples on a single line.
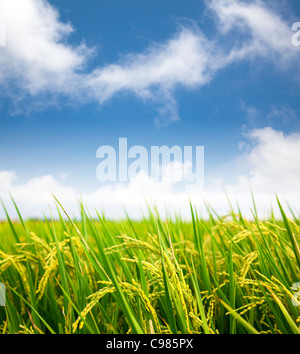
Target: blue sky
[(76, 75)]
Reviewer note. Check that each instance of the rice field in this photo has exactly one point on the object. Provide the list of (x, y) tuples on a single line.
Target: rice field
[(221, 275)]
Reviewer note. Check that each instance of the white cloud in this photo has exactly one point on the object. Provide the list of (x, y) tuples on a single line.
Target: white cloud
[(34, 197), (37, 58), (274, 167), (153, 75), (268, 35), (275, 160)]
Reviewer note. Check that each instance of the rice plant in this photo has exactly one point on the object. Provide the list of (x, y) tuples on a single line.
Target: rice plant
[(224, 274)]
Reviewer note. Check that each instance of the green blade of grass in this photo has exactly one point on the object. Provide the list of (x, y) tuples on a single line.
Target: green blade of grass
[(250, 329), (287, 316), (199, 300), (34, 310), (290, 233)]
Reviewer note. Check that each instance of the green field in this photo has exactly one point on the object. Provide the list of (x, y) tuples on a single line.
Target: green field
[(224, 274)]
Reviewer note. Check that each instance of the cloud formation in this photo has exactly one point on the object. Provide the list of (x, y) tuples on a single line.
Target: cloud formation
[(37, 58), (273, 161), (39, 62), (265, 32), (153, 75)]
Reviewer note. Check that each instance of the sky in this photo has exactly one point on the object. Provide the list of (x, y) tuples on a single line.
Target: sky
[(78, 75)]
